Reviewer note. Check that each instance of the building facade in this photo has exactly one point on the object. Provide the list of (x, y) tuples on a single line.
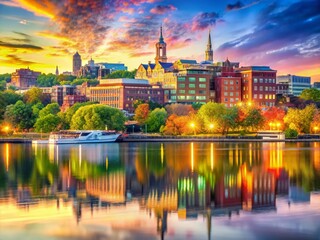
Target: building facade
[(161, 49), (24, 78), (121, 93), (258, 85), (76, 64), (296, 83)]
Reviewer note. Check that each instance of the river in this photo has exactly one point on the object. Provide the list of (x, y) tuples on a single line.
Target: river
[(188, 190)]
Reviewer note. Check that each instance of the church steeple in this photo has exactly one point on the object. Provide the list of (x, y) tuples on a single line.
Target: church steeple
[(57, 71), (161, 49), (209, 52)]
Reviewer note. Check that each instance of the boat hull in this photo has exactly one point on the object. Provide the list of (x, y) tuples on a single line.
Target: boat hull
[(108, 139)]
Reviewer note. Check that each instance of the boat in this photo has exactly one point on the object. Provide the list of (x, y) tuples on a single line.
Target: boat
[(83, 136)]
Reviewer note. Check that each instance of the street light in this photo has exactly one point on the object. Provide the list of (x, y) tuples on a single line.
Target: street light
[(315, 129), (278, 126), (192, 125)]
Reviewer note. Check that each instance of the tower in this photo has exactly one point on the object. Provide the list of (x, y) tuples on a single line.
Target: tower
[(57, 71), (76, 63), (161, 49), (209, 52)]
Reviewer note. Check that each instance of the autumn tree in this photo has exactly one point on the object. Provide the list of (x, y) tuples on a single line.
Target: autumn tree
[(272, 116), (156, 119), (311, 94), (179, 109), (300, 119), (177, 125), (97, 116), (141, 113), (35, 95)]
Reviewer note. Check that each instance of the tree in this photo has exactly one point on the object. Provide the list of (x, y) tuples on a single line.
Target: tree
[(122, 74), (179, 109), (254, 119), (20, 115), (141, 113), (5, 77), (47, 123), (35, 95), (315, 124), (47, 80), (300, 119), (65, 78), (67, 116), (156, 119), (311, 94), (52, 108), (272, 117), (6, 98), (212, 115), (97, 116), (177, 125)]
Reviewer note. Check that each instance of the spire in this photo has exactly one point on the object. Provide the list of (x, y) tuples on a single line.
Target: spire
[(57, 71), (161, 37), (209, 45), (209, 52)]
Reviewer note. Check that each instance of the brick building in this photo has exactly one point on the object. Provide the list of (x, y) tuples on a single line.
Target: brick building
[(121, 93), (24, 78)]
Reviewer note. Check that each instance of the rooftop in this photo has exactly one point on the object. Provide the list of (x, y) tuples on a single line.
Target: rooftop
[(124, 81)]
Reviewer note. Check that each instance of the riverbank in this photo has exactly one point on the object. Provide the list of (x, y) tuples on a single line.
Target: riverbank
[(164, 138)]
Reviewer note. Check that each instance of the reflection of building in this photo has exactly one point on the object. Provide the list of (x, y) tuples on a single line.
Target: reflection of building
[(24, 78), (258, 189), (110, 188), (297, 194), (228, 190)]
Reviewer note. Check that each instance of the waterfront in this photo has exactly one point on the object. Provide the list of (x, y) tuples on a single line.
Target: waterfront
[(189, 190)]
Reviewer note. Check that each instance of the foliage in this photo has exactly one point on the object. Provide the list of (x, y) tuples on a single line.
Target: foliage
[(36, 109), (35, 95), (179, 109), (250, 118), (67, 116), (122, 74), (152, 105), (197, 105), (156, 119), (78, 81), (141, 113), (5, 77), (291, 133), (300, 119), (315, 124), (97, 116), (176, 125), (273, 115), (65, 78), (311, 94), (6, 98), (47, 80), (52, 108), (20, 115), (212, 114), (47, 123)]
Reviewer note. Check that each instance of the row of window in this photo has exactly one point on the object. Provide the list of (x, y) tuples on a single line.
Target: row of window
[(266, 88), (231, 88), (231, 99), (266, 80), (266, 96), (189, 97), (192, 85), (231, 82)]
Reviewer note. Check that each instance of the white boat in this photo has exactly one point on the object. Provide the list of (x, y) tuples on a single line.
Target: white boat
[(83, 136)]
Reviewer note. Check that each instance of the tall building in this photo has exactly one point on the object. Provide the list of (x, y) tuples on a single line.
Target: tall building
[(161, 49), (258, 85), (209, 52), (24, 78), (76, 63), (57, 71), (296, 83)]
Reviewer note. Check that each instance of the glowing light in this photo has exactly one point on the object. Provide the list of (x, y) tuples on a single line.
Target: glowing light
[(211, 155), (7, 157), (192, 157)]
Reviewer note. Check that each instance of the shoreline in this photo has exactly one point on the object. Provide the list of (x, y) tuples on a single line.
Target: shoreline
[(142, 138)]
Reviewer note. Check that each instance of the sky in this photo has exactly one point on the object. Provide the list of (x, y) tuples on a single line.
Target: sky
[(43, 34)]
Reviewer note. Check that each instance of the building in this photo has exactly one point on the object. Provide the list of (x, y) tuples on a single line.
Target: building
[(121, 93), (57, 71), (316, 85), (58, 92), (24, 78), (258, 85), (70, 100), (161, 49), (227, 84), (76, 63), (209, 52), (296, 83)]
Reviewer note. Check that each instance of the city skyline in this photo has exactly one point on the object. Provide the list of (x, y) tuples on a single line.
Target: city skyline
[(44, 34)]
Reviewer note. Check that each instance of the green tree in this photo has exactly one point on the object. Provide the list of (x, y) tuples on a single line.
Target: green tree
[(65, 78), (5, 77), (311, 94), (47, 80), (254, 119), (122, 74), (156, 119), (212, 115), (6, 98), (52, 108), (98, 116), (67, 116), (47, 123), (20, 115), (35, 95), (300, 119)]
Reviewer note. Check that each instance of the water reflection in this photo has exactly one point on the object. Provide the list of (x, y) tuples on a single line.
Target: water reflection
[(186, 180)]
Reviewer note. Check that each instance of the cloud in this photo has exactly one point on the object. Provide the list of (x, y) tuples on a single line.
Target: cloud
[(162, 9), (234, 6), (141, 54), (9, 3), (13, 59), (23, 21), (204, 20), (20, 46), (280, 37)]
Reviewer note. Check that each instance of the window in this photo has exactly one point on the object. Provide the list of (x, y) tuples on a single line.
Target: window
[(225, 82), (181, 97), (255, 80), (192, 85), (255, 88), (261, 88), (226, 88), (192, 91), (225, 93), (231, 82), (266, 88), (202, 79), (237, 94), (181, 85), (226, 99), (266, 96), (231, 94), (182, 91), (255, 96), (202, 85), (261, 80), (191, 97), (181, 79), (231, 99), (192, 79), (201, 97), (173, 91), (260, 96), (202, 92)]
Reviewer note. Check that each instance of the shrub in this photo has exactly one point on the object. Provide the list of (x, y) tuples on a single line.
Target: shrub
[(291, 133)]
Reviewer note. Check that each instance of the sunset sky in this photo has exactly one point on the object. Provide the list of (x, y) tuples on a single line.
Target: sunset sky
[(283, 34)]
